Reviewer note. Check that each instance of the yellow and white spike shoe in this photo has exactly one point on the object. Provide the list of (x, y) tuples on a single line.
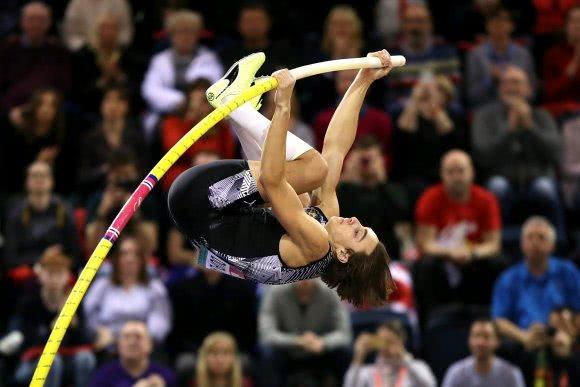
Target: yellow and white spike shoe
[(237, 79)]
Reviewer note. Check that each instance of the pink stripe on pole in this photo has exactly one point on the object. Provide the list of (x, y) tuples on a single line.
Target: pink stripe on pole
[(132, 205)]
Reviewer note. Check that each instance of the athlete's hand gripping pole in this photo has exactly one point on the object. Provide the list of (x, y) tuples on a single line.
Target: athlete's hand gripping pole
[(134, 202)]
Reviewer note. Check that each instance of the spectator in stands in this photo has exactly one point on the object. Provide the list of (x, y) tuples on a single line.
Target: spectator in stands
[(427, 128), (219, 363), (366, 193), (562, 68), (485, 63), (128, 293), (37, 221), (425, 55), (519, 147), (459, 236), (254, 24), (34, 319), (343, 35), (103, 62), (296, 124), (304, 329), (526, 294), (82, 17), (218, 140), (393, 366), (571, 163), (32, 60), (173, 69), (122, 179), (371, 121), (134, 367), (388, 21), (39, 132), (115, 131), (483, 368), (207, 302)]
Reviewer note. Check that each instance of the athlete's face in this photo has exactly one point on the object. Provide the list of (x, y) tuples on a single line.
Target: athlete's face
[(350, 235)]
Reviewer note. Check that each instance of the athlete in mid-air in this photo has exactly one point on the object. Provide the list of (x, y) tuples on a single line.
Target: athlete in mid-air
[(246, 217)]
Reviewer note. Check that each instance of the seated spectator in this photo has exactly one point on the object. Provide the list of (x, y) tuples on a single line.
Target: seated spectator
[(34, 318), (206, 302), (114, 131), (296, 124), (485, 63), (134, 367), (122, 178), (82, 16), (393, 366), (427, 128), (36, 222), (219, 364), (551, 15), (561, 68), (425, 55), (32, 60), (173, 69), (218, 140), (342, 38), (38, 130), (458, 234), (366, 193), (519, 146), (103, 62), (571, 163), (371, 121), (254, 24), (128, 293), (483, 368), (304, 330), (388, 21), (526, 294), (564, 361)]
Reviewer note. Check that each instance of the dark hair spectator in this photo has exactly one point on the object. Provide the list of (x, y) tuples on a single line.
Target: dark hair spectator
[(127, 293), (428, 127), (115, 130), (483, 365), (485, 63), (36, 221), (34, 318), (393, 363)]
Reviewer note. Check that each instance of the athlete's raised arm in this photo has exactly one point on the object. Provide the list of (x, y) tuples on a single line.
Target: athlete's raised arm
[(341, 131), (307, 238)]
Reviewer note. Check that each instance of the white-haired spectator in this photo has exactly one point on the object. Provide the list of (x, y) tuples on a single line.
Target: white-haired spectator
[(82, 16), (173, 69)]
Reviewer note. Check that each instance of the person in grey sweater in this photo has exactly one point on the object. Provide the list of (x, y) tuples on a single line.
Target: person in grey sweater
[(393, 365), (518, 146), (486, 61), (303, 329), (483, 368)]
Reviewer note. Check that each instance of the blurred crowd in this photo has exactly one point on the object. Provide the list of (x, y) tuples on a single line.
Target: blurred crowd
[(466, 165)]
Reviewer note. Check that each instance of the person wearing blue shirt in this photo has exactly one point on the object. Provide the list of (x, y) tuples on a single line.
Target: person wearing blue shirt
[(529, 294)]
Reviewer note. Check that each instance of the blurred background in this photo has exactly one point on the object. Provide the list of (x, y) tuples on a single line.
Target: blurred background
[(466, 164)]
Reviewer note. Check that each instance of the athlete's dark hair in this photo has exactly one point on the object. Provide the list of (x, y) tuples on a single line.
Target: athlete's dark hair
[(364, 279)]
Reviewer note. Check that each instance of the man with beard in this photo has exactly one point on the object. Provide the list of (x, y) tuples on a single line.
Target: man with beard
[(458, 234)]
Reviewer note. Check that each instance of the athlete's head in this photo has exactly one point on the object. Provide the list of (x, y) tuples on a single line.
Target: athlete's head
[(360, 270)]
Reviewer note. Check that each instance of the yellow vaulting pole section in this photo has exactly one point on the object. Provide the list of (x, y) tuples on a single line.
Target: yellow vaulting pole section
[(100, 253)]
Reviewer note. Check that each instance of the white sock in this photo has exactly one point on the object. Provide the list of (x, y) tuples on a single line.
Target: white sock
[(252, 128)]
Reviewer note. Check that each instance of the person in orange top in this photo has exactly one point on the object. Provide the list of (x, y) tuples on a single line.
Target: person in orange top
[(218, 140)]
